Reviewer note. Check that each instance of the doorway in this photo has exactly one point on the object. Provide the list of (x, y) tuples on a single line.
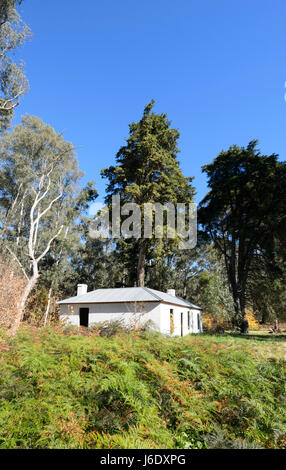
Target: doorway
[(172, 326), (83, 316), (182, 324)]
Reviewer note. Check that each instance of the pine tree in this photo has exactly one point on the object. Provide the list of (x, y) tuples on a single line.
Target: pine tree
[(148, 171), (243, 213)]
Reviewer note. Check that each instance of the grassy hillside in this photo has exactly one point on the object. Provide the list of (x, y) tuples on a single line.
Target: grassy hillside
[(141, 391)]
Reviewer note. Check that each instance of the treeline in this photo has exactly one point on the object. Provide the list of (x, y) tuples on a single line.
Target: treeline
[(239, 260)]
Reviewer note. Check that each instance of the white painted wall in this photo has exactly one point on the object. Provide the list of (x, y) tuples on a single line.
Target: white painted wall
[(177, 310), (131, 313), (136, 313)]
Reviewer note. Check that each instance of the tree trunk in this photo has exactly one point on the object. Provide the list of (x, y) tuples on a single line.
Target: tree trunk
[(20, 311), (235, 296), (237, 272), (240, 321), (238, 295), (141, 264), (242, 302), (48, 307), (276, 325), (244, 326)]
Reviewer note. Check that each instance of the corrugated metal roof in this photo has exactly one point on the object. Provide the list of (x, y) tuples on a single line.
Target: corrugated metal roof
[(170, 298), (127, 294)]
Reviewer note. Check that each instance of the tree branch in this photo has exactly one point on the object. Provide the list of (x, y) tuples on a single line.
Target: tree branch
[(49, 244), (19, 263), (5, 107)]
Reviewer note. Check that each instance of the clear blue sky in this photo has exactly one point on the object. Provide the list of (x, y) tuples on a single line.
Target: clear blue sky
[(216, 67)]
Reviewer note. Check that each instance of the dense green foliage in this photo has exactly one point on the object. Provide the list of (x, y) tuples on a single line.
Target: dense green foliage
[(147, 171), (39, 201), (5, 8), (13, 83), (243, 214), (140, 390)]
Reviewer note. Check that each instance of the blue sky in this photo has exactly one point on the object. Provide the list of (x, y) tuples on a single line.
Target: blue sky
[(216, 67)]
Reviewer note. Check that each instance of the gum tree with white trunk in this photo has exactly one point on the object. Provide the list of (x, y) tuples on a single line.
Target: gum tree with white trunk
[(38, 180)]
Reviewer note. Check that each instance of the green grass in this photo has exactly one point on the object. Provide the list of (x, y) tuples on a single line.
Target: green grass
[(141, 391)]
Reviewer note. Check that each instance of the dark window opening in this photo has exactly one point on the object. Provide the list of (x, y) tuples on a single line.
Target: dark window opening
[(83, 316)]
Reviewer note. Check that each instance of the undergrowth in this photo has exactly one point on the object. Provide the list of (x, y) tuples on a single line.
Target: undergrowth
[(140, 391)]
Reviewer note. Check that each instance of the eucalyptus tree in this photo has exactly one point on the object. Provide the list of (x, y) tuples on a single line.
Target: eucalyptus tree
[(147, 171), (59, 273), (5, 9), (13, 82), (39, 177), (243, 213)]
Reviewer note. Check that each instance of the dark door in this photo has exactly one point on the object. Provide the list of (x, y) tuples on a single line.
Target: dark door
[(182, 324), (83, 316)]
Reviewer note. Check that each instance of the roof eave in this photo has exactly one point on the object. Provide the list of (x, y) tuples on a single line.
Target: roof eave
[(193, 307)]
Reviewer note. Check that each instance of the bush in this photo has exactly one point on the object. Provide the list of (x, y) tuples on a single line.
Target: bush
[(110, 328), (215, 329), (140, 390), (12, 284)]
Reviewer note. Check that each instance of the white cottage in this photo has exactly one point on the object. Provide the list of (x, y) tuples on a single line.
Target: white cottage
[(133, 305)]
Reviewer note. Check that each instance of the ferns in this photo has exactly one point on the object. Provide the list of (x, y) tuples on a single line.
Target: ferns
[(140, 391)]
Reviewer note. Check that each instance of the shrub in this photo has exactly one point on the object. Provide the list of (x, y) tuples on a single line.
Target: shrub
[(140, 390), (110, 328), (12, 284)]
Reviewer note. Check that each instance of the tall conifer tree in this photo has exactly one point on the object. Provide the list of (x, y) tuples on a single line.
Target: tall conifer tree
[(148, 171)]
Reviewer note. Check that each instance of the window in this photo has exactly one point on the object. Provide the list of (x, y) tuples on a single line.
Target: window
[(83, 316), (189, 319), (172, 327), (199, 323)]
